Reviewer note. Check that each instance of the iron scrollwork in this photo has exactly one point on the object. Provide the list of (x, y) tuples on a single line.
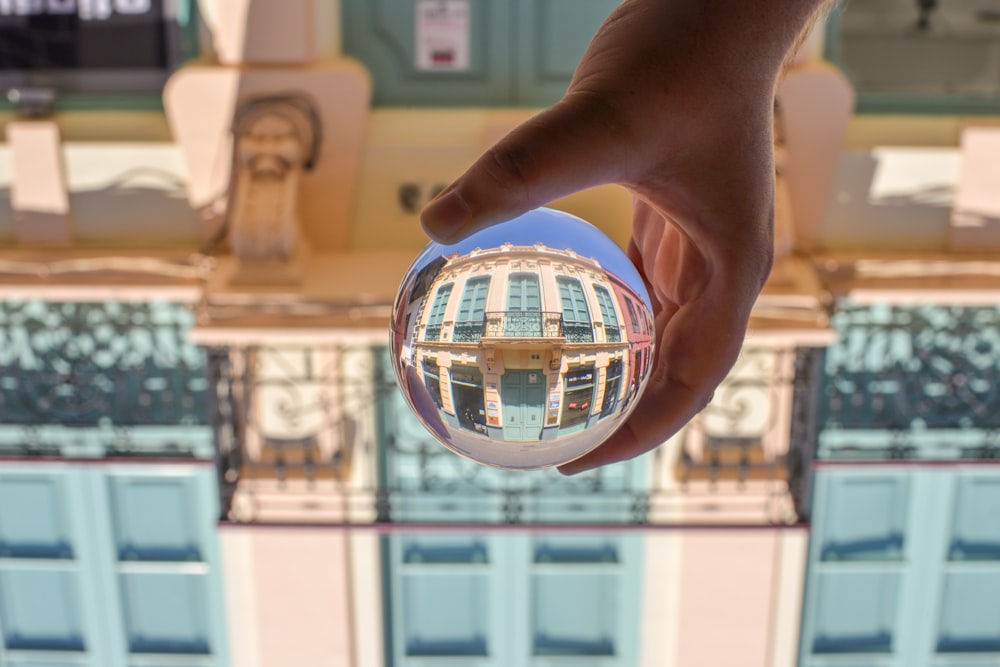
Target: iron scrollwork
[(108, 367), (912, 382)]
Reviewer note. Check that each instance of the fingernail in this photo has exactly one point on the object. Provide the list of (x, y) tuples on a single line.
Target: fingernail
[(445, 217), (570, 469)]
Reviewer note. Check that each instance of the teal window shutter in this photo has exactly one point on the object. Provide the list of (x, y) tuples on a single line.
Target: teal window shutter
[(608, 313), (865, 519), (574, 302), (110, 566), (436, 317), (976, 524), (472, 308), (523, 293), (513, 599)]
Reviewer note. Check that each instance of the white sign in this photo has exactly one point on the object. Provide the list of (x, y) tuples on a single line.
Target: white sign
[(442, 35)]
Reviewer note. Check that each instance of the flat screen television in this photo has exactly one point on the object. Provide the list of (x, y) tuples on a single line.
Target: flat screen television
[(93, 46)]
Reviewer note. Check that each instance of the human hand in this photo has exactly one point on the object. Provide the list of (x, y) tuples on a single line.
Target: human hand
[(673, 99)]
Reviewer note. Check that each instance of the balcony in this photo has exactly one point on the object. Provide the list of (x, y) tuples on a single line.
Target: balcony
[(433, 332), (101, 379), (612, 333), (467, 332), (524, 324), (579, 332)]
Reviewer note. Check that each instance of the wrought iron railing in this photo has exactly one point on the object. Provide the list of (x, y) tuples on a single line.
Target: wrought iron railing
[(523, 324), (282, 415), (101, 379), (612, 333), (579, 332), (911, 382), (432, 332), (468, 332), (400, 474)]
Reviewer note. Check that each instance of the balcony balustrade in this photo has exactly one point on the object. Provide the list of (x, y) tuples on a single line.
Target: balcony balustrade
[(101, 379), (612, 333), (911, 382), (468, 332), (579, 332), (432, 332), (391, 470), (524, 324)]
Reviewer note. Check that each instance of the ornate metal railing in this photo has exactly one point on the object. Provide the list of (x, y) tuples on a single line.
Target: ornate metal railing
[(399, 473), (432, 332), (579, 332), (523, 324), (468, 332), (911, 382), (101, 379), (282, 414), (612, 334)]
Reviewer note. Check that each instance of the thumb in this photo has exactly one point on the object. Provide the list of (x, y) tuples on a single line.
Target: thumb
[(572, 145)]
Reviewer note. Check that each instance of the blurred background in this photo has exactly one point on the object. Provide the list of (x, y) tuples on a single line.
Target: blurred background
[(205, 211)]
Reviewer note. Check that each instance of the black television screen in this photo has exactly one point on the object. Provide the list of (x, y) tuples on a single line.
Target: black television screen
[(88, 46)]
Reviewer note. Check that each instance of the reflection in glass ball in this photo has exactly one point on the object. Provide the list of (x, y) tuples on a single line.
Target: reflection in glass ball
[(524, 345)]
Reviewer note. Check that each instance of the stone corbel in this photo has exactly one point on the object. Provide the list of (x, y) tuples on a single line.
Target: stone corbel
[(275, 140)]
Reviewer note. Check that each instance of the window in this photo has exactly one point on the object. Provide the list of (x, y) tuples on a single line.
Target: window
[(608, 314), (576, 315), (95, 47), (919, 57), (577, 399), (433, 331), (473, 305), (632, 315)]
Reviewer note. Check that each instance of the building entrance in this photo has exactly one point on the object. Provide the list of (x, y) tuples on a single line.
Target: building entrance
[(523, 395)]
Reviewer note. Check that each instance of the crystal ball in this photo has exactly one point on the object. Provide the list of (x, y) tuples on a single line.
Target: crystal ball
[(525, 345)]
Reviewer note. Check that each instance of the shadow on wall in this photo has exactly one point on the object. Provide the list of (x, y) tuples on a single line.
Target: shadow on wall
[(891, 198), (141, 207)]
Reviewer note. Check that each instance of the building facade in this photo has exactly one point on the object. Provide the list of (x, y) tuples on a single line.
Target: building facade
[(204, 459), (524, 343)]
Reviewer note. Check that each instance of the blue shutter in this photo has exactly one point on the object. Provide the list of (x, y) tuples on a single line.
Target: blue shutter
[(472, 308), (110, 566), (513, 599), (904, 569), (608, 313), (436, 317)]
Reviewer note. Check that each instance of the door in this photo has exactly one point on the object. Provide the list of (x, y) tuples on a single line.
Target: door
[(523, 395)]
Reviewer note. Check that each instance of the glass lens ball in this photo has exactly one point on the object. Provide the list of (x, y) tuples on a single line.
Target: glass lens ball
[(525, 345)]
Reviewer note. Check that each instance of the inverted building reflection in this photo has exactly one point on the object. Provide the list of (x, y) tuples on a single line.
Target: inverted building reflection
[(523, 343)]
